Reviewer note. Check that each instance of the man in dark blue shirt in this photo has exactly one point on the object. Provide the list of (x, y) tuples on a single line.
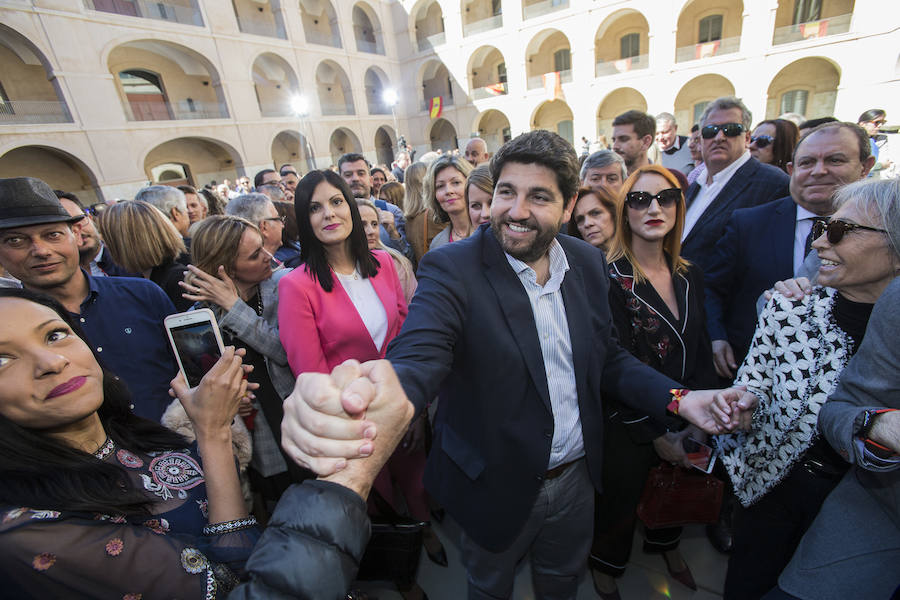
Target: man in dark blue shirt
[(121, 316)]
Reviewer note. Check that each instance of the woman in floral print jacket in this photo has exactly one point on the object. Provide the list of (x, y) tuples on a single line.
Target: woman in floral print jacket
[(96, 502), (656, 300)]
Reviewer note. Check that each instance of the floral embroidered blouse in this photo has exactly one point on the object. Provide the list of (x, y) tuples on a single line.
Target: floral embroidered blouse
[(52, 554)]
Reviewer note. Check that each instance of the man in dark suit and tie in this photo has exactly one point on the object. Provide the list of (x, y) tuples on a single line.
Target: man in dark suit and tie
[(769, 243), (512, 329), (733, 178)]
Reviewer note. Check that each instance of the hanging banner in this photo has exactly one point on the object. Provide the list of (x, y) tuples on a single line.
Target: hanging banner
[(496, 89), (706, 50), (436, 108), (814, 29), (553, 85)]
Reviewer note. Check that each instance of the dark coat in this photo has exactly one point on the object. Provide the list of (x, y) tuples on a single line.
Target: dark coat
[(471, 335), (753, 184), (756, 250)]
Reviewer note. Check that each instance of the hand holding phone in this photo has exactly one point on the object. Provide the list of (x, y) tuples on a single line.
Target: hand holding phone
[(701, 456), (197, 342)]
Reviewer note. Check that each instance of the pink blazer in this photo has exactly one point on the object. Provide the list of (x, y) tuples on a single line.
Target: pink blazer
[(320, 330)]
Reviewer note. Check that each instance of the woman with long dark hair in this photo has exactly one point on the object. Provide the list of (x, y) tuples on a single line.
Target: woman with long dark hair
[(656, 300), (97, 502), (773, 141)]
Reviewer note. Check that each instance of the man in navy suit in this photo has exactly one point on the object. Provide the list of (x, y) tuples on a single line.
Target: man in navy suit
[(767, 243), (733, 179), (511, 327)]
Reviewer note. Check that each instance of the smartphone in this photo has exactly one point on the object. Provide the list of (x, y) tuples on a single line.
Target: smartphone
[(701, 456), (197, 342)]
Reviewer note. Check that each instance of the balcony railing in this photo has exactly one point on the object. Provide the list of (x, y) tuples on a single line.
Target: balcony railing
[(163, 11), (432, 41), (180, 111), (261, 26), (708, 49), (622, 66), (314, 36), (811, 30), (33, 111), (495, 22), (489, 91), (368, 46), (538, 80), (426, 105), (542, 8), (335, 108)]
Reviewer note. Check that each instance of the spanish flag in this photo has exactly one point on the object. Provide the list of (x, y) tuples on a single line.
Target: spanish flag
[(553, 85), (436, 109)]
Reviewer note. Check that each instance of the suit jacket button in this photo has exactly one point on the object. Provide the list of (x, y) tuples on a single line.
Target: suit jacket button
[(539, 477)]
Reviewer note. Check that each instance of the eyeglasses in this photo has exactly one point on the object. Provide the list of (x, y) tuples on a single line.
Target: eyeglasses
[(762, 141), (837, 229), (641, 200), (281, 219), (95, 210), (708, 132)]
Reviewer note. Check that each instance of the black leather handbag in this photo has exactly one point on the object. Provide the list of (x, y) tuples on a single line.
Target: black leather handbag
[(395, 547)]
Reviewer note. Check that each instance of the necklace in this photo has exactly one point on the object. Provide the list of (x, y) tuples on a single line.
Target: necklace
[(354, 275), (105, 450)]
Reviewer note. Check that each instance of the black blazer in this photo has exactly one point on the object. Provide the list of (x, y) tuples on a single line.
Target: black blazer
[(167, 276), (753, 184), (676, 347), (471, 335), (756, 250)]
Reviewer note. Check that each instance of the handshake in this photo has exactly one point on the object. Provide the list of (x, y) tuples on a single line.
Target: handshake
[(360, 411)]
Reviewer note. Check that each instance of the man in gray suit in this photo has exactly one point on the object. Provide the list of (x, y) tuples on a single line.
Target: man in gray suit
[(852, 549)]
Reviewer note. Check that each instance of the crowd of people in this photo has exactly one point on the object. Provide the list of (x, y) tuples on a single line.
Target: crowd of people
[(514, 341)]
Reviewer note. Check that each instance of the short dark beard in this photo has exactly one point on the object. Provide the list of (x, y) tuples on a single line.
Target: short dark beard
[(532, 253)]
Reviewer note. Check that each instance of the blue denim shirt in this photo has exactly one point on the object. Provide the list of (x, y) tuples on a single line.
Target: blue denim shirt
[(123, 320)]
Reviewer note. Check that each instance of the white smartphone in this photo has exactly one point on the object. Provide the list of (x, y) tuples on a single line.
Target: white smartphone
[(701, 456), (197, 342)]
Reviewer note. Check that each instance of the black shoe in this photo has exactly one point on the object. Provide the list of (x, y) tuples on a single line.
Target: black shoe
[(613, 595), (721, 536)]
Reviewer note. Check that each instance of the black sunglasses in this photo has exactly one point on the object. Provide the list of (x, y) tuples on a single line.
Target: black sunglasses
[(837, 229), (761, 140), (641, 200), (708, 132)]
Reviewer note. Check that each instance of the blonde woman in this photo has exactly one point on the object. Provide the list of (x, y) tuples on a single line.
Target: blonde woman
[(392, 193), (141, 239), (479, 195), (445, 188), (420, 226), (371, 216)]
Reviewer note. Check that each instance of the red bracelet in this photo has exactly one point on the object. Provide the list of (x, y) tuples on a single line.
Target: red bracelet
[(675, 403)]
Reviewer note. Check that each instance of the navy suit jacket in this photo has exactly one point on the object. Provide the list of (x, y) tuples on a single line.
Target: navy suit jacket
[(471, 335), (753, 184), (756, 250)]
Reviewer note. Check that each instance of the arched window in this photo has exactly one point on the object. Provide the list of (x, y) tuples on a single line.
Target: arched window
[(562, 60), (630, 45), (710, 29), (145, 95)]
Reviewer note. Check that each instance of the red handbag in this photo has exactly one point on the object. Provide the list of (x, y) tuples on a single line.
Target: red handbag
[(675, 496)]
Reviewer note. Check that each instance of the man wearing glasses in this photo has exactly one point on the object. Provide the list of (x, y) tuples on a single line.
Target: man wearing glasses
[(770, 243), (259, 210), (733, 178)]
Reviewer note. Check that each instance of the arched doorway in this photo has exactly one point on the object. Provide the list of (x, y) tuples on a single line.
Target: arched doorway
[(443, 136), (384, 145), (493, 128), (693, 97), (333, 86), (807, 86), (614, 104), (204, 160), (556, 116), (59, 169), (342, 141), (292, 147)]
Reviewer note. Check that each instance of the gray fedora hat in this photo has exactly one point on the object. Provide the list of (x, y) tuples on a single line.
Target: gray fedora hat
[(29, 201)]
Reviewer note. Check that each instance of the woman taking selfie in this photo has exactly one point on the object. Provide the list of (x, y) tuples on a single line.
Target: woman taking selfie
[(97, 502), (445, 184), (656, 299)]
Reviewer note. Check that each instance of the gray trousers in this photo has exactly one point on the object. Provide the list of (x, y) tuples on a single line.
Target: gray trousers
[(557, 534)]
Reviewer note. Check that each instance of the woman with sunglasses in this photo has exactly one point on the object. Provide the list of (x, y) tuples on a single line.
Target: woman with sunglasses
[(782, 469), (656, 299), (773, 142)]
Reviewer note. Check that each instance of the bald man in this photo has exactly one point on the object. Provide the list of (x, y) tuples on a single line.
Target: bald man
[(476, 152)]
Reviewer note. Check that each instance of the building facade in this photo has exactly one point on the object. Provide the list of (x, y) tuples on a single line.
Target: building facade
[(100, 97)]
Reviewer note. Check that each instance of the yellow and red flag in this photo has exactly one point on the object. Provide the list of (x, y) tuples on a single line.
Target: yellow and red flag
[(814, 29), (436, 108)]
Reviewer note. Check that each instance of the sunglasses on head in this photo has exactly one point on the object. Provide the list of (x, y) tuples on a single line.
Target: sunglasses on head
[(835, 230), (708, 132), (761, 140), (641, 200)]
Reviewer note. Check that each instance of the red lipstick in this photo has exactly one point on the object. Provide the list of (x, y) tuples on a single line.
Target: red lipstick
[(67, 387)]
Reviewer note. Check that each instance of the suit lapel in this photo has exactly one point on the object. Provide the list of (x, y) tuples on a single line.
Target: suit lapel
[(729, 194), (516, 308), (783, 231)]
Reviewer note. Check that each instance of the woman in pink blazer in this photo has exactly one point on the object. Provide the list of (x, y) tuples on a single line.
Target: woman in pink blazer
[(345, 301)]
